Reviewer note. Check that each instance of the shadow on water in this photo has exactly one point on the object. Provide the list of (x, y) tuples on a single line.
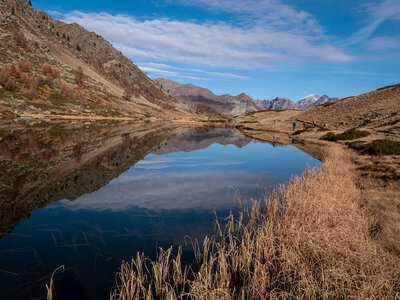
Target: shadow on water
[(90, 195)]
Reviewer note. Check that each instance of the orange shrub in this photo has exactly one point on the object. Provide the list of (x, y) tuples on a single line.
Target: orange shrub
[(24, 66), (33, 86), (10, 84), (79, 75), (4, 76), (21, 40)]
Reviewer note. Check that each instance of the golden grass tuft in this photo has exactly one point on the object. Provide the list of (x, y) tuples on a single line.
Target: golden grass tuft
[(309, 240)]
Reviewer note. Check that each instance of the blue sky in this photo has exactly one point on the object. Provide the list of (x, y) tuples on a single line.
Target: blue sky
[(265, 48)]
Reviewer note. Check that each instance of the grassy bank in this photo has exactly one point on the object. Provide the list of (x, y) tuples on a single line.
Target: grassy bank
[(314, 241)]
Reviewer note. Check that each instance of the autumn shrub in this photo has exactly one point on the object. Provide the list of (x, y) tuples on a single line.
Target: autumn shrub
[(20, 39), (68, 92), (79, 75), (33, 86), (14, 71), (50, 73), (11, 84), (4, 76), (24, 66)]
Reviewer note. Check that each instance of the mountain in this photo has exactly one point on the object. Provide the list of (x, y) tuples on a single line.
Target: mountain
[(314, 100), (203, 138), (232, 106), (308, 101), (227, 105), (277, 103), (50, 67)]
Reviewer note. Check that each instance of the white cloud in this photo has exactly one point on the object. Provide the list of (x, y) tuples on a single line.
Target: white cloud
[(271, 11), (159, 69), (256, 46), (383, 43), (376, 13)]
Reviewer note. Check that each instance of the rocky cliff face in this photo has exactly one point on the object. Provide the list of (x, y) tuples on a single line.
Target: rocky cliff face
[(277, 103), (48, 65)]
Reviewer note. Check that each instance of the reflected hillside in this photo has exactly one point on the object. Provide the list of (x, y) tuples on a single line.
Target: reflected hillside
[(201, 138), (45, 162)]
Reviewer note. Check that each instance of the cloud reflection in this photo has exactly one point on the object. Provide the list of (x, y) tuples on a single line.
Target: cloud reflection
[(178, 190)]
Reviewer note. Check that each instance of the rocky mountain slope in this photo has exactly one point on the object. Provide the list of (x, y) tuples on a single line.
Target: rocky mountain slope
[(227, 105), (277, 103), (233, 106), (50, 67), (314, 100)]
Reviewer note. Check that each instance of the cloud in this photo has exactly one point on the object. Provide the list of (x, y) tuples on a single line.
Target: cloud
[(256, 46), (179, 190), (376, 13), (383, 43), (159, 69), (271, 11)]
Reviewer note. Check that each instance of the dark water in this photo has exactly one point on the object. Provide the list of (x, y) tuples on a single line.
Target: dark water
[(134, 195)]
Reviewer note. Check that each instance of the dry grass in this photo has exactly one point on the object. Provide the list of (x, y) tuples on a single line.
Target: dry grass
[(313, 242)]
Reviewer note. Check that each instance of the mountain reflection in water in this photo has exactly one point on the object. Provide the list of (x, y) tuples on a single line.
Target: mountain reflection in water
[(134, 188)]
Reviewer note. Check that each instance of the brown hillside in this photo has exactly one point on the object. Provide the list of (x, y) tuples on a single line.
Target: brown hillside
[(39, 60), (379, 109)]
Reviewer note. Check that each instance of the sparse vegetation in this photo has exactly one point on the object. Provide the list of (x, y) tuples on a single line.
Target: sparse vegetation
[(351, 134), (327, 104), (300, 131), (249, 122), (206, 110), (378, 147)]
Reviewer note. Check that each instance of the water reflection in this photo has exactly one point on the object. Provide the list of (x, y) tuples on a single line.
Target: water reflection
[(134, 188)]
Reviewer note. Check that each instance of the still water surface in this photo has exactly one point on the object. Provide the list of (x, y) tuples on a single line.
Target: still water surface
[(171, 193)]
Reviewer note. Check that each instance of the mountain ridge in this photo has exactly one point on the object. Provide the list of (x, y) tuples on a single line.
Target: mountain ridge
[(242, 103)]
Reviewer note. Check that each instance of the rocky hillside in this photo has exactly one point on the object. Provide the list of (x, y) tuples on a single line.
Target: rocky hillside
[(50, 67), (227, 105), (379, 110)]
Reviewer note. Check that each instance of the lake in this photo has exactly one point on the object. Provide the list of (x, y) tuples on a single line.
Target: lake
[(88, 196)]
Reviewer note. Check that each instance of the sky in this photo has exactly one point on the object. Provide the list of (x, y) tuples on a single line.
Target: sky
[(264, 48)]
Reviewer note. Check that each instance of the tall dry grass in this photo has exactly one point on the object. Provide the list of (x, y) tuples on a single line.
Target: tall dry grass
[(312, 242)]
